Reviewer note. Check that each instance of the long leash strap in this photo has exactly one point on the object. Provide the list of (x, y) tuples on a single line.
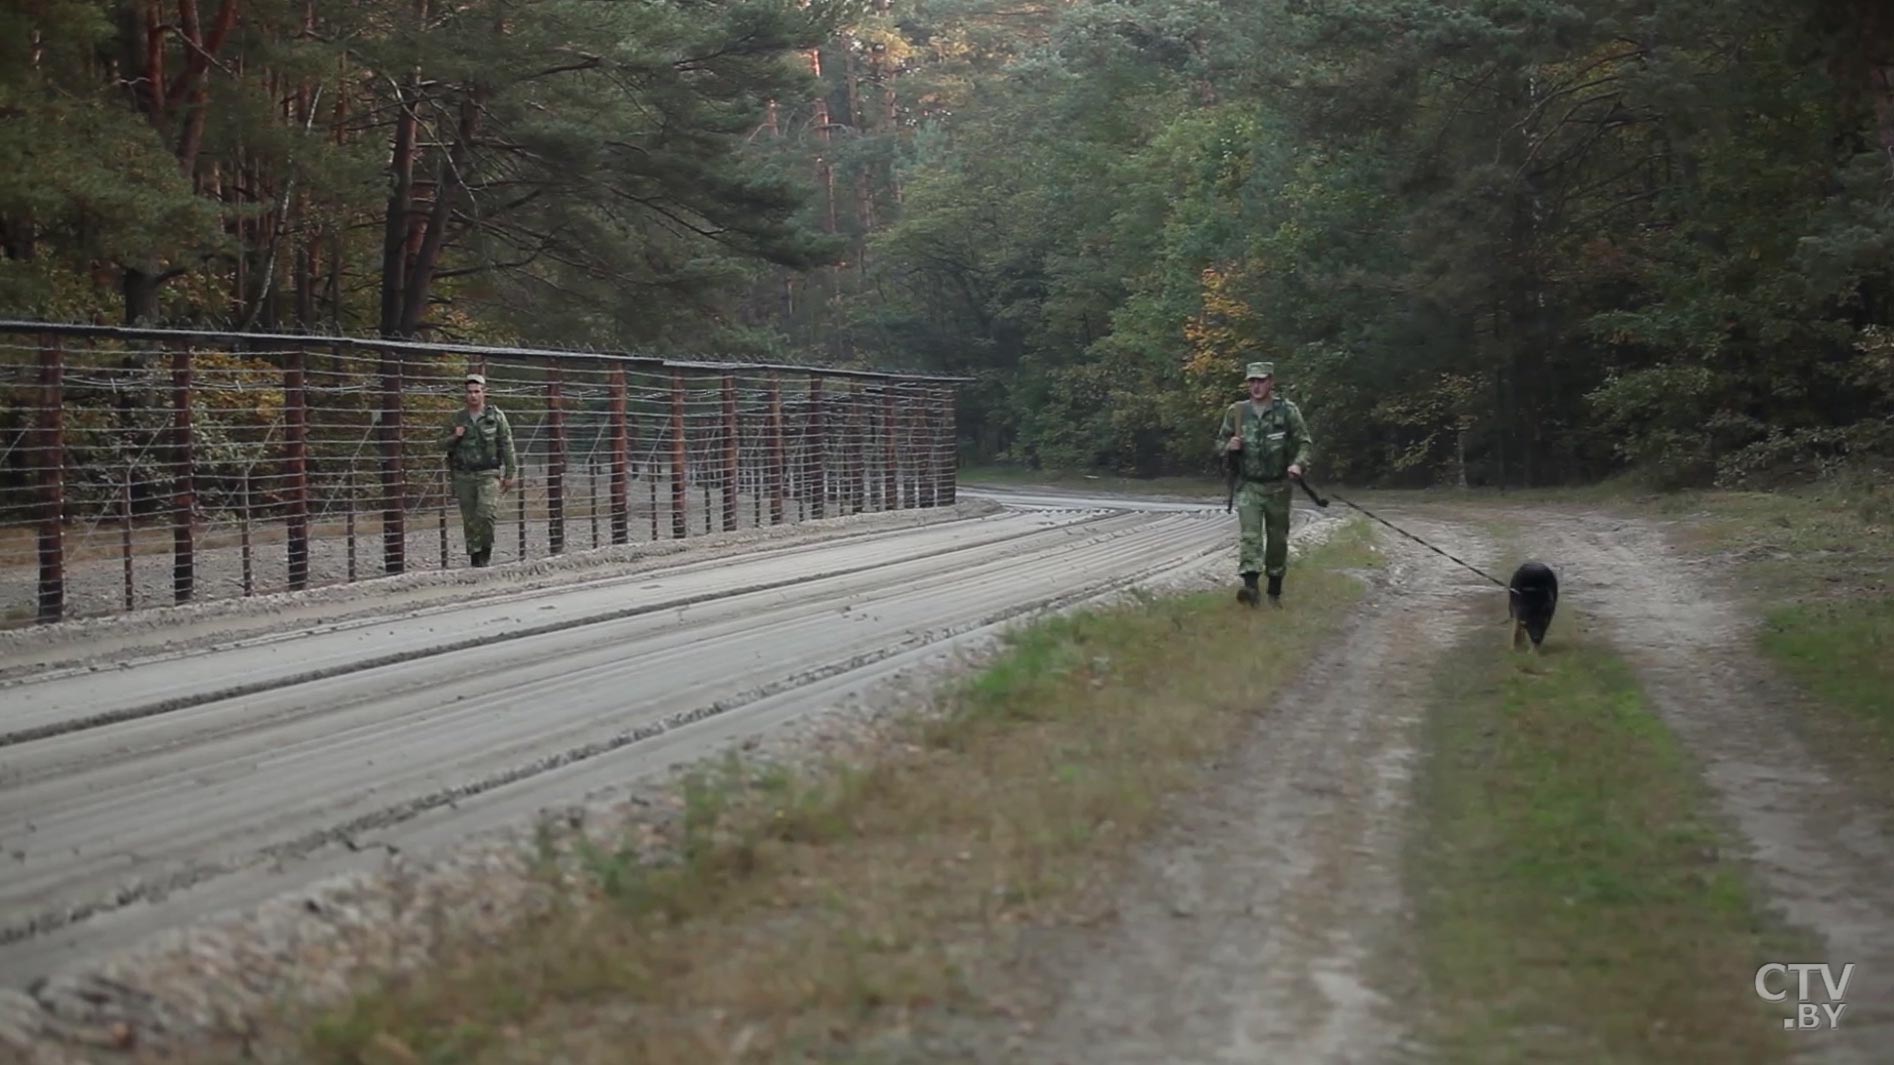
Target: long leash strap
[(1320, 502)]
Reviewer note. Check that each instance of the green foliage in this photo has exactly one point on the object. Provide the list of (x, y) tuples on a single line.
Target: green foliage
[(1566, 239), (580, 172), (1498, 241)]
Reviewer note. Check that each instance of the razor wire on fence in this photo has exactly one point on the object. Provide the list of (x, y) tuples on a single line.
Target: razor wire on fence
[(142, 467)]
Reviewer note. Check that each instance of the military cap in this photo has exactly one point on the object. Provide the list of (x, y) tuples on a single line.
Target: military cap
[(1261, 369), (477, 379)]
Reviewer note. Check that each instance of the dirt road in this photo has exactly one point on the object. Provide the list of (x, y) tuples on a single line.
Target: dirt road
[(1267, 924), (147, 792), (1262, 927), (1819, 847)]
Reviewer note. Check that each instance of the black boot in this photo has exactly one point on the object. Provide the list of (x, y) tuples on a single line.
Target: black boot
[(480, 558), (1275, 590), (1247, 594)]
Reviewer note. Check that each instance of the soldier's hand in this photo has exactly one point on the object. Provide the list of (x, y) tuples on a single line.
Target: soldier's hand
[(459, 431), (506, 484), (1295, 471), (1236, 443)]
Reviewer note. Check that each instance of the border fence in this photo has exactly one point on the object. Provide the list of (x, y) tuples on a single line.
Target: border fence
[(148, 466)]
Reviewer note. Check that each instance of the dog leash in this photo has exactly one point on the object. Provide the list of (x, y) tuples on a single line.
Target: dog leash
[(1320, 502)]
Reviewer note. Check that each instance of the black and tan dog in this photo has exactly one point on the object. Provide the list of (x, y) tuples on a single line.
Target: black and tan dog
[(1532, 597)]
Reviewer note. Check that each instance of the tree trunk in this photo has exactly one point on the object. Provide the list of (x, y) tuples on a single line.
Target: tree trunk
[(140, 288), (446, 197), (400, 202), (825, 173)]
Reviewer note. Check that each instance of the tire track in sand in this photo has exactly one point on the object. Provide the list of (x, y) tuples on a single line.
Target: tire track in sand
[(1265, 924), (1818, 848)]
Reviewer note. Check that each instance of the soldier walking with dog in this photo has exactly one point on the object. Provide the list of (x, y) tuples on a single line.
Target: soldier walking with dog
[(479, 445), (1267, 440)]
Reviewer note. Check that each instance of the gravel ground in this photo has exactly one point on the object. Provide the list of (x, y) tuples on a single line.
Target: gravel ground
[(221, 986), (1262, 924), (95, 576), (81, 640)]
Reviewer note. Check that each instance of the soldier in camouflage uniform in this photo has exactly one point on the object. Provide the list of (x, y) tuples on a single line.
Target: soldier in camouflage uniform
[(479, 445), (1272, 442)]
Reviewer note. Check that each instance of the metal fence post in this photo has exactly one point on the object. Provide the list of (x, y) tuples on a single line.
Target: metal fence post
[(729, 452), (776, 449), (555, 462), (891, 455), (905, 455), (393, 532), (621, 461), (814, 481), (52, 458), (950, 438), (930, 437), (862, 425), (914, 421), (184, 497), (125, 533), (447, 493), (249, 563), (680, 502), (296, 466), (349, 519)]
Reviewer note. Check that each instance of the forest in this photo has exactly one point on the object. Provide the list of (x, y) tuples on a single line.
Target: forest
[(1486, 242)]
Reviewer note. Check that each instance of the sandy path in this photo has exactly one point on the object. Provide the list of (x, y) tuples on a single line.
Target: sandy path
[(1265, 924), (1819, 849), (188, 782)]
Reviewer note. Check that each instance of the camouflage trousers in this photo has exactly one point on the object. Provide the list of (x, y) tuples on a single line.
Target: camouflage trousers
[(479, 498), (1263, 514)]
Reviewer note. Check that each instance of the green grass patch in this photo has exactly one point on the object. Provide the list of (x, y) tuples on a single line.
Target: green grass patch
[(1816, 563), (825, 914), (1842, 652), (1574, 905)]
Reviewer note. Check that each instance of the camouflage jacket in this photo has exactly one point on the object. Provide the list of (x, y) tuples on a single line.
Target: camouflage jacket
[(488, 444), (1273, 438)]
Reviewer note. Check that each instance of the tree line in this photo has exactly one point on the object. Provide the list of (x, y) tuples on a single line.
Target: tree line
[(396, 167), (1490, 241)]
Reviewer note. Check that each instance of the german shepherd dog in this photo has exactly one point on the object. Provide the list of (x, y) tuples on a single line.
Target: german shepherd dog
[(1531, 599)]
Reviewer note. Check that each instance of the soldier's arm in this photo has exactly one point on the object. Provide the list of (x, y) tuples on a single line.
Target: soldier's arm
[(1304, 445), (446, 442), (1226, 431), (507, 456)]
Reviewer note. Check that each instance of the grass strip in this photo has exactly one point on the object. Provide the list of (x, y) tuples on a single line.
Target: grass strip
[(1573, 904), (1817, 563), (1841, 652), (825, 914)]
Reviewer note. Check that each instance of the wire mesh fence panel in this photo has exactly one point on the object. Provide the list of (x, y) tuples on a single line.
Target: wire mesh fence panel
[(140, 468)]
